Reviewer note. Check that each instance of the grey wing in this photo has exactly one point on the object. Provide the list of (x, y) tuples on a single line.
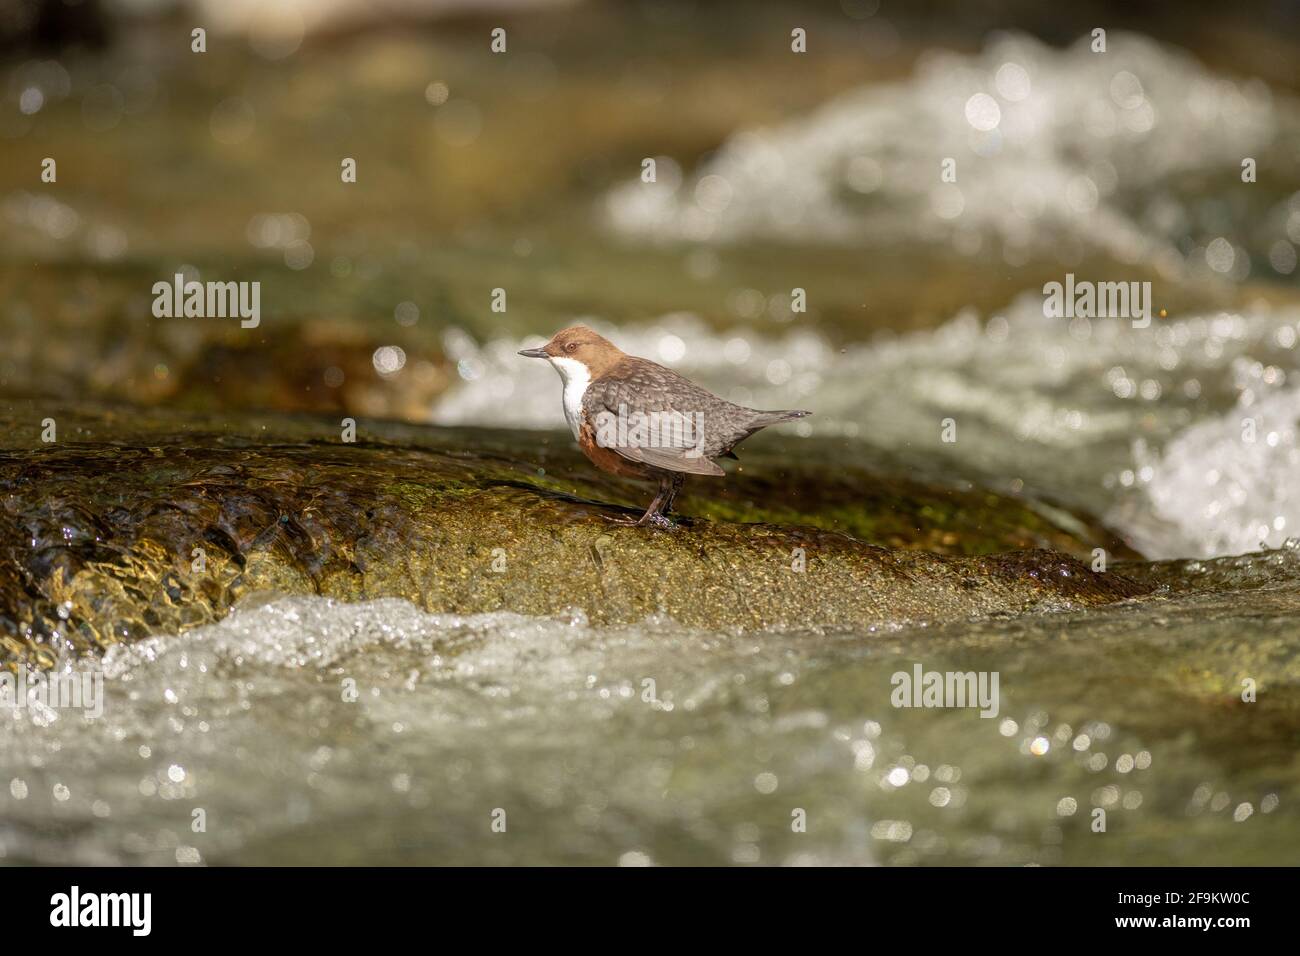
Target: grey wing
[(653, 416), (671, 460)]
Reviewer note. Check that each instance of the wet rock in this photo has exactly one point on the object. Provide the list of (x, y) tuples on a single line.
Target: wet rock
[(134, 524), (78, 332), (315, 367)]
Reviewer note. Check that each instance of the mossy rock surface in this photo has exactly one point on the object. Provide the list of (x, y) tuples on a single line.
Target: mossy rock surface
[(134, 524)]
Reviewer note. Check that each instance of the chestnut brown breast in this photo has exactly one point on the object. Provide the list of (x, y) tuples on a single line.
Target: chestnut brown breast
[(606, 459)]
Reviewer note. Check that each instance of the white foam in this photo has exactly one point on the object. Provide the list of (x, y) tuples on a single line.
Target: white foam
[(1102, 151), (303, 632), (1227, 485)]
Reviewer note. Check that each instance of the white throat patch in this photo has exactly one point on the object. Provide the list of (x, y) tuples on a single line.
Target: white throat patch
[(576, 379)]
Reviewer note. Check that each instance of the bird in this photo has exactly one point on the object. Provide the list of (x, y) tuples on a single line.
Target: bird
[(635, 418)]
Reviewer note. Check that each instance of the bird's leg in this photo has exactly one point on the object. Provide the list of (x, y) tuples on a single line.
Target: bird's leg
[(676, 481), (668, 489), (657, 513)]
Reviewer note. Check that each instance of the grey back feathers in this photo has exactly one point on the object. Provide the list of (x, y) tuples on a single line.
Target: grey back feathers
[(637, 389)]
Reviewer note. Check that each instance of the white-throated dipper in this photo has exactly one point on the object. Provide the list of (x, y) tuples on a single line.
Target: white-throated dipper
[(635, 418)]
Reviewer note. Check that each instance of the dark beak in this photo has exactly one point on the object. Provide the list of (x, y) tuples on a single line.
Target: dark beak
[(534, 353)]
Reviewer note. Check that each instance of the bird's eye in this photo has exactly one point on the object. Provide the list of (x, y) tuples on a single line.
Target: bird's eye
[(571, 347)]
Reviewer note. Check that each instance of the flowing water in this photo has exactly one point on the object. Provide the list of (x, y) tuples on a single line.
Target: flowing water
[(304, 730), (658, 744)]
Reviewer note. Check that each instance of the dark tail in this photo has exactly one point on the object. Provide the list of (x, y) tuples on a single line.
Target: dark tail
[(763, 419)]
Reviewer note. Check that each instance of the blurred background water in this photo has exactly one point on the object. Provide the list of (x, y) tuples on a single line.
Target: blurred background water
[(775, 171)]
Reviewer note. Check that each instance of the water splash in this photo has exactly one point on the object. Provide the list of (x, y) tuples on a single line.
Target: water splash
[(1061, 150), (1231, 483)]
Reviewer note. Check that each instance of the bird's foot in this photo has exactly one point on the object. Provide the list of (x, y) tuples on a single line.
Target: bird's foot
[(658, 520), (622, 520)]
